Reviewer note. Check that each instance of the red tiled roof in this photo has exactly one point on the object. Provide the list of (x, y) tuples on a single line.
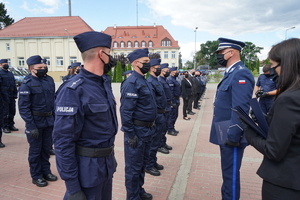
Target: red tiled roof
[(140, 33), (46, 27)]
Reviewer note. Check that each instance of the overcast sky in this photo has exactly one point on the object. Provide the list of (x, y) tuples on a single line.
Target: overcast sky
[(262, 22)]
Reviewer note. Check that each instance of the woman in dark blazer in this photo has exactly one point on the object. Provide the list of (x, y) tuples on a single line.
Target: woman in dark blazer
[(186, 93), (280, 168)]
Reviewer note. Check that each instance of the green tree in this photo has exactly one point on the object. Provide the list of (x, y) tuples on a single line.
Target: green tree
[(179, 60), (189, 65), (249, 55), (5, 20), (118, 73), (206, 55)]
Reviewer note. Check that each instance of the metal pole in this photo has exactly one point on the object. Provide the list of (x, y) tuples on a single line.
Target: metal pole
[(68, 45), (287, 30), (137, 13), (195, 49), (70, 14)]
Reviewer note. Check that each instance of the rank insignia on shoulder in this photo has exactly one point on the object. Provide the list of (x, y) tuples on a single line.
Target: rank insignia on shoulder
[(75, 83)]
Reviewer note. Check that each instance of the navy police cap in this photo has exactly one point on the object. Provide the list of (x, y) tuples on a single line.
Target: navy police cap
[(138, 53), (128, 72), (75, 64), (225, 43), (164, 65), (35, 60), (154, 62), (3, 61), (92, 39), (173, 69)]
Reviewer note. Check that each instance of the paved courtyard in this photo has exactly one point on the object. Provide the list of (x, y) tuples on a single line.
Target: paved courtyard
[(192, 169)]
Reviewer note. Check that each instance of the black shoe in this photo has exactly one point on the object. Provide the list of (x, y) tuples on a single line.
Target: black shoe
[(158, 166), (40, 182), (186, 118), (13, 128), (50, 177), (191, 113), (52, 152), (197, 108), (6, 130), (176, 131), (163, 150), (153, 172), (172, 133), (168, 147), (2, 145), (146, 196)]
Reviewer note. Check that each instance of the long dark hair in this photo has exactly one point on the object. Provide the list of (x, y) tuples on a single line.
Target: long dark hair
[(287, 54)]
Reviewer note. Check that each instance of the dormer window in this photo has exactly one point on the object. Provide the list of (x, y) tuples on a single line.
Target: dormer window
[(120, 37), (166, 42), (136, 44), (150, 44), (122, 44), (115, 45), (143, 44), (129, 44), (133, 37)]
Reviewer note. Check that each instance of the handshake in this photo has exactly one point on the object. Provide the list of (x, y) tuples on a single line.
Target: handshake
[(261, 94)]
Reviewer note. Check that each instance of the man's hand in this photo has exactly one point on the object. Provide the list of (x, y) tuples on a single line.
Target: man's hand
[(265, 94), (232, 144), (133, 141), (34, 133), (77, 196)]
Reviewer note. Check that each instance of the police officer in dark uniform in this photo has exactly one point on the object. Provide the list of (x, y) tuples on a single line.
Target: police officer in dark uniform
[(128, 73), (152, 166), (175, 90), (75, 68), (165, 72), (235, 89), (67, 77), (265, 89), (1, 115), (86, 123), (138, 114), (36, 106), (9, 95)]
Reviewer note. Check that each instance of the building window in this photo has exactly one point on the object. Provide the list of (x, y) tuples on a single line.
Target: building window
[(133, 37), (143, 44), (158, 52), (21, 61), (173, 64), (173, 54), (115, 45), (9, 61), (115, 54), (136, 44), (150, 44), (166, 54), (129, 44), (48, 60), (122, 44), (168, 43), (163, 43), (7, 47), (59, 61), (73, 60)]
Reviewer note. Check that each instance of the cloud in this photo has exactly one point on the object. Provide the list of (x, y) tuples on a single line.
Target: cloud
[(188, 50), (231, 17), (51, 6)]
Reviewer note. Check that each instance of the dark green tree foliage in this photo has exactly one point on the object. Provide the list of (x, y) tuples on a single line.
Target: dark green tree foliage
[(206, 55), (249, 55), (110, 74), (127, 67), (5, 20), (179, 60), (117, 78), (189, 65)]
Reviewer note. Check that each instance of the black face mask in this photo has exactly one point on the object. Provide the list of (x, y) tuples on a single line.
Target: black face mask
[(41, 72), (186, 75), (46, 70), (111, 63), (158, 71), (193, 73), (145, 68), (176, 75), (273, 74), (5, 66), (167, 74), (267, 75), (221, 60), (77, 71)]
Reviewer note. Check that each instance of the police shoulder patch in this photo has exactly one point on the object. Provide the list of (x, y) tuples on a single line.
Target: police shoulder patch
[(131, 95), (25, 92), (75, 83), (66, 110)]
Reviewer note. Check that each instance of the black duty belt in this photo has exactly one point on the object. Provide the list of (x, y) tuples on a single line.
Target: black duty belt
[(169, 102), (93, 152), (161, 111), (42, 114), (143, 123), (176, 98)]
